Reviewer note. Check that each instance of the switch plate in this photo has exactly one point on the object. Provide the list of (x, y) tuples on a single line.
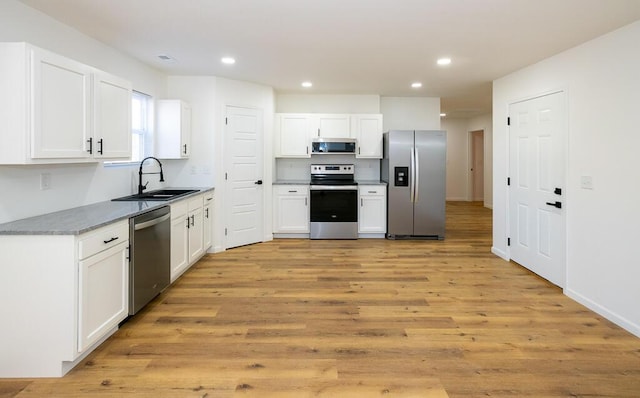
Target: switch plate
[(586, 182), (45, 181)]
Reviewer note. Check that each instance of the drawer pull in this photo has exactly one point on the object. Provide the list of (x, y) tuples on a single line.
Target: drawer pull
[(110, 240), (293, 191), (373, 191)]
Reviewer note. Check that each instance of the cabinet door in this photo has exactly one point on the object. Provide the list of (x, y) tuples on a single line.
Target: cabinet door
[(173, 129), (291, 213), (61, 105), (179, 245), (103, 293), (185, 130), (333, 126), (207, 233), (372, 217), (196, 235), (112, 117), (367, 129), (293, 135)]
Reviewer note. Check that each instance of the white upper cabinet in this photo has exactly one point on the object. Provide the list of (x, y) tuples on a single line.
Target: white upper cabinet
[(56, 110), (112, 116), (173, 129), (60, 106), (293, 133), (332, 126), (367, 130)]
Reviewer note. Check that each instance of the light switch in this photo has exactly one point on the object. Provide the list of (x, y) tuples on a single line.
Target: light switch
[(586, 182)]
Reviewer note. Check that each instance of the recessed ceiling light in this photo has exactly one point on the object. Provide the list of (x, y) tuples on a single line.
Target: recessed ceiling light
[(307, 84), (416, 85), (443, 114), (165, 57), (228, 60), (444, 61)]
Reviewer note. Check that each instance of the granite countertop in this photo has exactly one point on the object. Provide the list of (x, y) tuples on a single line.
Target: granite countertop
[(78, 220)]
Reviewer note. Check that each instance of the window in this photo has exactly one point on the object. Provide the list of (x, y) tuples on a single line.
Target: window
[(141, 116)]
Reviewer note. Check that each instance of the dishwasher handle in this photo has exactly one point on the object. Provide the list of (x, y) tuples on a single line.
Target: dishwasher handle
[(151, 223)]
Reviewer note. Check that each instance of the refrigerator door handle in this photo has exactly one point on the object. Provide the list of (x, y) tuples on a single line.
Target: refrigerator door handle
[(417, 174), (412, 176)]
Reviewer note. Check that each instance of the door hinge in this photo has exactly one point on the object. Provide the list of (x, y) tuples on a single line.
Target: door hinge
[(508, 121), (508, 181), (508, 241)]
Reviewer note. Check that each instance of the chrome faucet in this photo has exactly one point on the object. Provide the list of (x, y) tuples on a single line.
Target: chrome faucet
[(140, 173)]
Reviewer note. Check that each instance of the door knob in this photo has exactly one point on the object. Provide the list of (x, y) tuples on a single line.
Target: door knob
[(555, 204), (259, 182)]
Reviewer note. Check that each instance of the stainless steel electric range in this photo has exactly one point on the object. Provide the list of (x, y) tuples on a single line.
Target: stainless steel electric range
[(333, 202)]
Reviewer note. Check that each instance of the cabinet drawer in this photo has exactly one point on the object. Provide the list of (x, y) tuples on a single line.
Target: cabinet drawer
[(373, 190), (103, 238), (208, 197), (179, 209), (195, 203), (292, 190)]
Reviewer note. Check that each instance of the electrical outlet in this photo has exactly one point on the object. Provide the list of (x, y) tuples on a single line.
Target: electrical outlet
[(193, 170), (45, 181)]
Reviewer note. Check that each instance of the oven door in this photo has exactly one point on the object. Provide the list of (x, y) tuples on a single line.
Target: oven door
[(333, 212)]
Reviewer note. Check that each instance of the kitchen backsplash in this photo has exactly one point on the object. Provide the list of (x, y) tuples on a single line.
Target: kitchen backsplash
[(299, 169)]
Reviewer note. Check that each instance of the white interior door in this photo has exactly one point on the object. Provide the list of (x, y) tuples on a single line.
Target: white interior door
[(243, 185), (537, 137)]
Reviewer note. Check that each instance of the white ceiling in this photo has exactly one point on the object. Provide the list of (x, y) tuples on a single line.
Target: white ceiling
[(348, 46)]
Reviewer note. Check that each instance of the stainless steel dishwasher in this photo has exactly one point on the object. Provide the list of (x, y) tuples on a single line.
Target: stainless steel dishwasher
[(150, 264)]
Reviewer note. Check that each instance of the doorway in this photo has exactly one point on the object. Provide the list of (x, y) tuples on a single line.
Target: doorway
[(477, 165)]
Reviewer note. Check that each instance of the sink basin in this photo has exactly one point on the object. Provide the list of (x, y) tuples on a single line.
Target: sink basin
[(158, 195)]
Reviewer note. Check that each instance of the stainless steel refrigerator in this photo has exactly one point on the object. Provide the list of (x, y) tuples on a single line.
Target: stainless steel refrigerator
[(414, 167)]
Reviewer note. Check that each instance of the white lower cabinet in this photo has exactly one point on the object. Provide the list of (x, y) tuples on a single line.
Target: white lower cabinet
[(291, 209), (372, 212), (70, 292), (187, 234), (196, 229), (103, 293), (207, 213)]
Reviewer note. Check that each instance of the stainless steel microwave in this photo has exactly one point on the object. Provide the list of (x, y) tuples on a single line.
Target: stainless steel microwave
[(333, 146)]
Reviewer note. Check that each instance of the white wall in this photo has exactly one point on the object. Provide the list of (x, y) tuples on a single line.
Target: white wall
[(310, 103), (603, 92), (71, 185), (410, 113), (457, 158)]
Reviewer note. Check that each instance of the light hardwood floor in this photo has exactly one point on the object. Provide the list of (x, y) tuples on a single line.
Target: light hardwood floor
[(365, 318)]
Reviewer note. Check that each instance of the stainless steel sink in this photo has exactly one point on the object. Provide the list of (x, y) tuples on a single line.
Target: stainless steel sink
[(157, 195)]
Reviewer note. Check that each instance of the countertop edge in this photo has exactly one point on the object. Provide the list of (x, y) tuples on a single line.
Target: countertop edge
[(73, 222)]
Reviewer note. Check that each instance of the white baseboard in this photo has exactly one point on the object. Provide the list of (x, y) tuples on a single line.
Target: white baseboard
[(503, 255), (624, 323)]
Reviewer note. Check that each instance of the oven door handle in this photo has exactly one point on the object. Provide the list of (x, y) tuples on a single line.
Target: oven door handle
[(333, 187)]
